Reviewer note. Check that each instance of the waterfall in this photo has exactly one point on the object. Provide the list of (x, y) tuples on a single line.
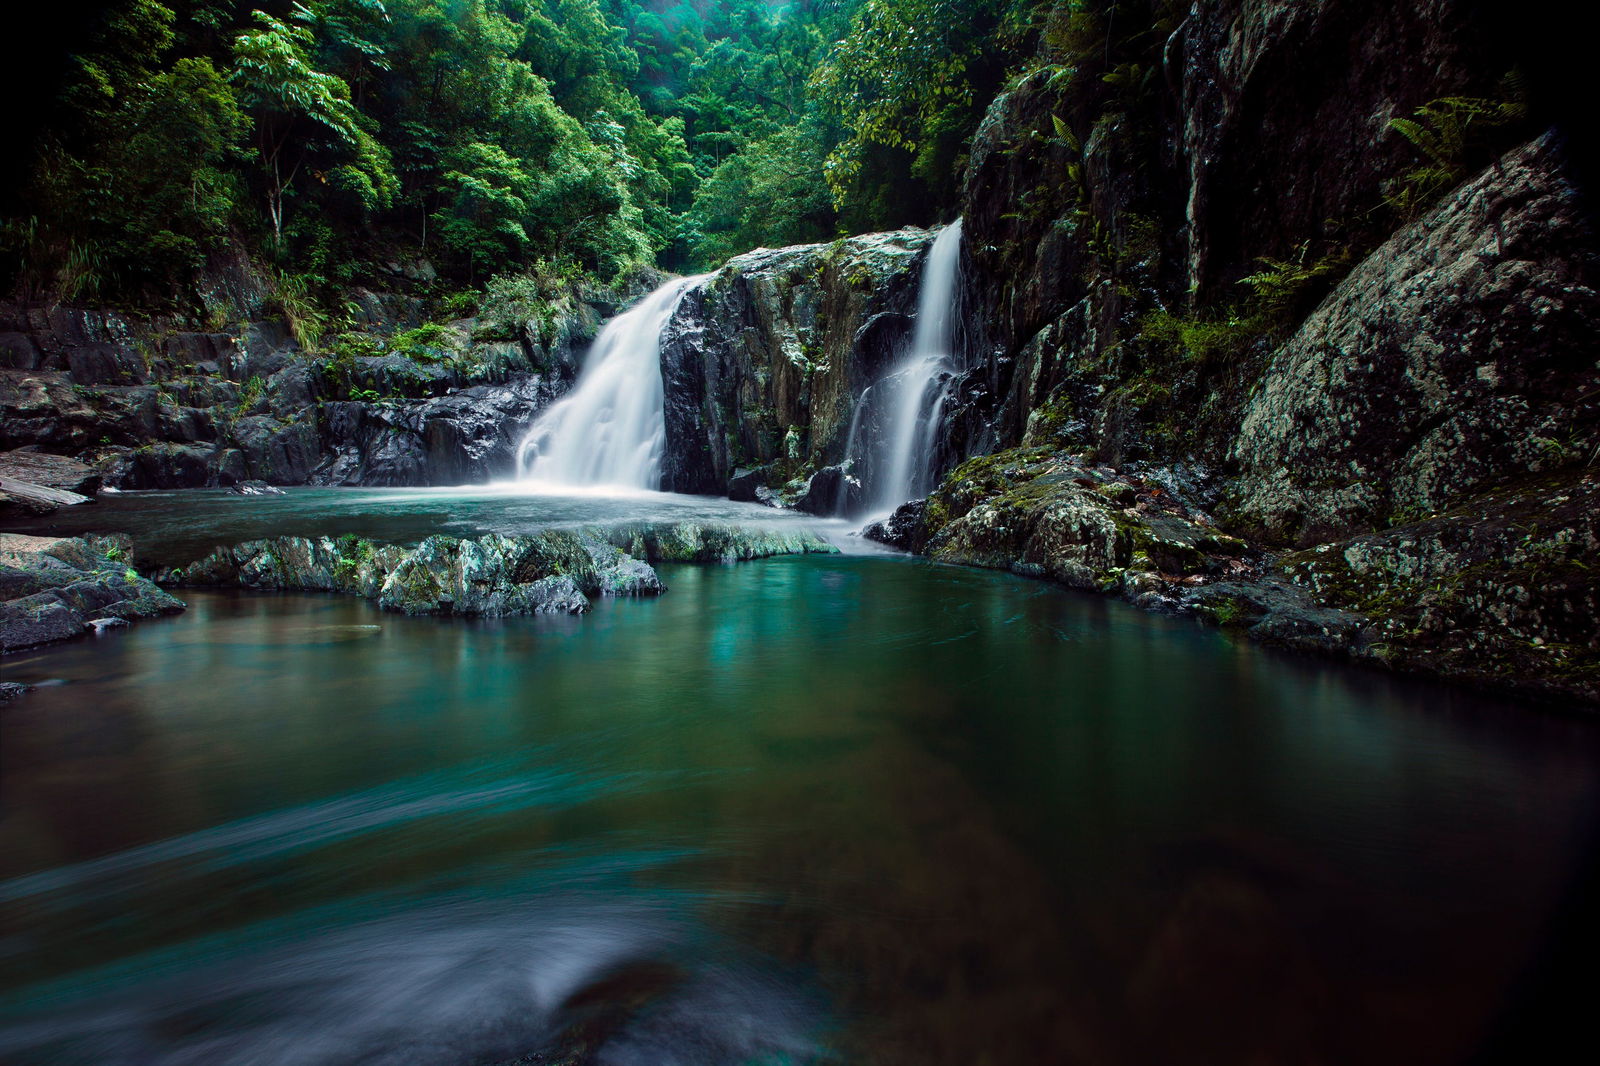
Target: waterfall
[(611, 428), (908, 402)]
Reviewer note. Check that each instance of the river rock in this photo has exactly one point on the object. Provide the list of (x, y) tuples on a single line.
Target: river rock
[(905, 529), (50, 471), (489, 576), (51, 588), (20, 499)]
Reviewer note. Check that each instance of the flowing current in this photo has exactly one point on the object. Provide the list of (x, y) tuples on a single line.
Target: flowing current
[(611, 428), (907, 404)]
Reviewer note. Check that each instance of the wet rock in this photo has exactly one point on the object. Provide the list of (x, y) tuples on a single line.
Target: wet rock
[(777, 340), (905, 529), (256, 488), (746, 482), (705, 542), (53, 589), (470, 435), (490, 576), (10, 690), (19, 498), (830, 491)]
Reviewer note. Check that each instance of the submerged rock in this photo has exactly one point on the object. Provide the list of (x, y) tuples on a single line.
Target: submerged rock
[(53, 589)]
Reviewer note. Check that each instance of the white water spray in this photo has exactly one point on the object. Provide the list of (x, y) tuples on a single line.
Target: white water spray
[(910, 399), (611, 428)]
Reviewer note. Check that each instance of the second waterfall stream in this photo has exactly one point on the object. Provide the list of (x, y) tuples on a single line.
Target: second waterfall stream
[(610, 429)]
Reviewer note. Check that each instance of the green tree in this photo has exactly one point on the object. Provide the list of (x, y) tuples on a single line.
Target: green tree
[(299, 110)]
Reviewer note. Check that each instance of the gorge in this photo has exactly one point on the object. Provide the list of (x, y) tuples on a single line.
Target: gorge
[(1116, 586)]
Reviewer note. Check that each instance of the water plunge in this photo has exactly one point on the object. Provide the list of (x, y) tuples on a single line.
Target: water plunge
[(611, 428), (907, 404)]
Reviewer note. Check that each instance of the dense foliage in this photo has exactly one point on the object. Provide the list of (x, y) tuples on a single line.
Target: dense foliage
[(492, 135)]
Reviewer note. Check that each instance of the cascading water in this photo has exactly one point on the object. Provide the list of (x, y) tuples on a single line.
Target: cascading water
[(611, 428), (908, 403)]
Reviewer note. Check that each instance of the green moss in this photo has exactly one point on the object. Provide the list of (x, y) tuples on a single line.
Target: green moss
[(1227, 611)]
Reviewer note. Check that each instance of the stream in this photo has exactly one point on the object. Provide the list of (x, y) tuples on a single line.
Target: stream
[(857, 808)]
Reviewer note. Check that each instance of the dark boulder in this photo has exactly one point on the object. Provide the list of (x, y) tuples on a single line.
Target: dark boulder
[(905, 529), (58, 588), (833, 490), (746, 483), (282, 453)]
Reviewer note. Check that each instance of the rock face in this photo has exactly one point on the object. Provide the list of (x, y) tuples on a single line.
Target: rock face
[(1333, 456), (1459, 354), (491, 576), (466, 436), (1285, 108), (761, 362), (1424, 438), (157, 404), (54, 589)]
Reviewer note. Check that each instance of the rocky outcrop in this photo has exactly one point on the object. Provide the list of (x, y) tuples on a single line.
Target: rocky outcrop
[(1332, 456), (490, 576), (54, 589), (762, 360), (1047, 514), (35, 483), (156, 403), (1498, 590), (1460, 354), (462, 437)]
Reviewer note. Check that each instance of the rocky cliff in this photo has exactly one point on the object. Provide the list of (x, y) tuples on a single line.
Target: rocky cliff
[(176, 402), (763, 360), (1252, 325), (1239, 342)]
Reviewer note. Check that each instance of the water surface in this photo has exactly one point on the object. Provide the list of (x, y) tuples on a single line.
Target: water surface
[(176, 527), (839, 808)]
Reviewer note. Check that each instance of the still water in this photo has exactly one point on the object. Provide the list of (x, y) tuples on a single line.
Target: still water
[(820, 809)]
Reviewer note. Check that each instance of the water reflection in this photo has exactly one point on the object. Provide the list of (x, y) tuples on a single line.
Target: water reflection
[(976, 818)]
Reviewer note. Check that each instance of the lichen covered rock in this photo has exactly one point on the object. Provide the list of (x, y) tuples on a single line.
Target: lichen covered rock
[(554, 570), (53, 589), (1459, 354)]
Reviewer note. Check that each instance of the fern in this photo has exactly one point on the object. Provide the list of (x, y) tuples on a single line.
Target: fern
[(1445, 132)]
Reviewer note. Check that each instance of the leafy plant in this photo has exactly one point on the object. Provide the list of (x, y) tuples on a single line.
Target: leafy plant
[(250, 394), (1445, 132), (1284, 286), (294, 295)]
